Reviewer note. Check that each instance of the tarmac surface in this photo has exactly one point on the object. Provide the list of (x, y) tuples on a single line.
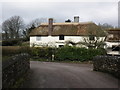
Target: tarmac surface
[(67, 75)]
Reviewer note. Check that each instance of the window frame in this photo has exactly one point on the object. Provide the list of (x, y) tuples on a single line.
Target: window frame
[(93, 37), (38, 38), (115, 48), (61, 46), (61, 37)]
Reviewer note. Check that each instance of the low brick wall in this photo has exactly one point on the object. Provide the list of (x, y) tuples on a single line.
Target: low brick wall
[(14, 68), (108, 64)]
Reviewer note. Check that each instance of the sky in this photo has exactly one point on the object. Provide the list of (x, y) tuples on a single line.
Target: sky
[(97, 11)]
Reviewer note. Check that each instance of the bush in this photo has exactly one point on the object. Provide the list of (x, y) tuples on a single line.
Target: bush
[(75, 53), (107, 64), (64, 53), (13, 42), (12, 50), (45, 52)]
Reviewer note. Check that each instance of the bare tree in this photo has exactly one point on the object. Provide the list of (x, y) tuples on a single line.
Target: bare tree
[(32, 25), (105, 26), (27, 31), (6, 28), (12, 27), (36, 22)]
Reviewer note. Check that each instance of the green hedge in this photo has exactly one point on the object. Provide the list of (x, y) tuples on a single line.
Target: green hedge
[(42, 52), (13, 42), (12, 50), (79, 54), (107, 64), (66, 53), (61, 54)]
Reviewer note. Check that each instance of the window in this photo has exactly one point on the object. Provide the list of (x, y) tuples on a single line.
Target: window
[(91, 38), (110, 36), (61, 37), (38, 38), (115, 48), (61, 45)]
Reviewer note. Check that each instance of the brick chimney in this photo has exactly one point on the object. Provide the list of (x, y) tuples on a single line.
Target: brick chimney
[(50, 26)]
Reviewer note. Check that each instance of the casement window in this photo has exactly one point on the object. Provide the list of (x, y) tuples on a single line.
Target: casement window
[(91, 37), (61, 37), (38, 38), (115, 48)]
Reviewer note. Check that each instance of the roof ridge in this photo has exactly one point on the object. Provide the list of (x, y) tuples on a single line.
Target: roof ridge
[(67, 23)]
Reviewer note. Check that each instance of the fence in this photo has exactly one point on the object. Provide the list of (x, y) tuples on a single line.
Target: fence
[(14, 68)]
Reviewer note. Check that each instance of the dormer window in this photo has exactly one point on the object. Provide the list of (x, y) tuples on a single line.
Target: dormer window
[(61, 37)]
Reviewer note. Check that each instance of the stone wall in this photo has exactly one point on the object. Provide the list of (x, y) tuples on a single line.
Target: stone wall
[(14, 68), (108, 64)]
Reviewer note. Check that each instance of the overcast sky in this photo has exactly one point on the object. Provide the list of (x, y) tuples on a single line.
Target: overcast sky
[(98, 11)]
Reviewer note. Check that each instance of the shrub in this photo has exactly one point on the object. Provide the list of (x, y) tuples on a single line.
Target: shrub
[(107, 64), (63, 53), (13, 42), (12, 50), (75, 53), (40, 52)]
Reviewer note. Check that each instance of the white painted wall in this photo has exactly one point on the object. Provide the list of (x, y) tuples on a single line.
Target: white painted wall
[(109, 44), (54, 40)]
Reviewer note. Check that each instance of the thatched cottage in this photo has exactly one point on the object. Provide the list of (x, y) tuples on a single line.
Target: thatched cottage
[(57, 34)]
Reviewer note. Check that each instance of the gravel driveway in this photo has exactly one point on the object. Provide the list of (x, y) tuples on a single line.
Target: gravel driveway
[(67, 75)]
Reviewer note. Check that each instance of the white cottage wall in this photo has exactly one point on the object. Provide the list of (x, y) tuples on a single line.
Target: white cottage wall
[(54, 40)]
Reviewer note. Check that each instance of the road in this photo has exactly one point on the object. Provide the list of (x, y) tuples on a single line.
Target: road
[(67, 75)]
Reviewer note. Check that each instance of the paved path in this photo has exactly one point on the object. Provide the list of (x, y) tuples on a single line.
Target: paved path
[(65, 75)]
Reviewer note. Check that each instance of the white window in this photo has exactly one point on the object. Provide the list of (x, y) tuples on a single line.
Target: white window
[(38, 38)]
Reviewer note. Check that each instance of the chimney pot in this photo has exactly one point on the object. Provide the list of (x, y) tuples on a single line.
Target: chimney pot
[(76, 19)]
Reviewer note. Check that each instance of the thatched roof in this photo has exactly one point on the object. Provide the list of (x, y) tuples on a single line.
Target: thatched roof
[(112, 31), (115, 33), (68, 29)]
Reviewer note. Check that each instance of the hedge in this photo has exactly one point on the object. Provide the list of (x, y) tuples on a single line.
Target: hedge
[(66, 53), (60, 54), (13, 42), (14, 69), (108, 64), (79, 54), (12, 50), (45, 52)]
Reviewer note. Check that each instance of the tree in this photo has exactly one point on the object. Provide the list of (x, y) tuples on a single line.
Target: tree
[(5, 28), (12, 27), (36, 22), (105, 26), (32, 25), (27, 31)]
